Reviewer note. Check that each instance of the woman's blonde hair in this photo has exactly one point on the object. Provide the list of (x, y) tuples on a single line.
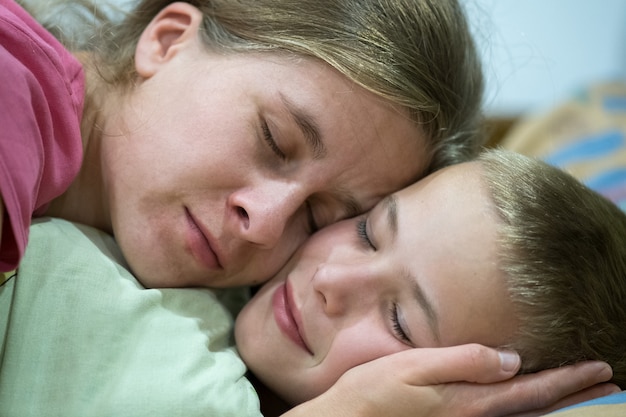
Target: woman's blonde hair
[(563, 251), (418, 54)]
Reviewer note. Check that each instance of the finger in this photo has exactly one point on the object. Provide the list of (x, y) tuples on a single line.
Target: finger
[(468, 363), (597, 391), (544, 389)]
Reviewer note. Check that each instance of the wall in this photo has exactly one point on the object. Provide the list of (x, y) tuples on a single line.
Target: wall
[(536, 52)]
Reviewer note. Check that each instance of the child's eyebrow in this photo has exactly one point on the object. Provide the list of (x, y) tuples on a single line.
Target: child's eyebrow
[(427, 306), (390, 205)]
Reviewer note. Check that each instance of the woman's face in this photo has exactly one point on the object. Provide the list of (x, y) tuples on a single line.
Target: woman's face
[(219, 166), (419, 270)]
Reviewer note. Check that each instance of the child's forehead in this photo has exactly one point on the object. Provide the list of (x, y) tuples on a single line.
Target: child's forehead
[(451, 179)]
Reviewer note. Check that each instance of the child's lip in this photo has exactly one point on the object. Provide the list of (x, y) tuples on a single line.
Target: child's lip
[(288, 317)]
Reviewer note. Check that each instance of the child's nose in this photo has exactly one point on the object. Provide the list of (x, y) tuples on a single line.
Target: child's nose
[(343, 288)]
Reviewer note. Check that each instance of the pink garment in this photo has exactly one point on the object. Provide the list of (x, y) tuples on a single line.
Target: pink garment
[(41, 103)]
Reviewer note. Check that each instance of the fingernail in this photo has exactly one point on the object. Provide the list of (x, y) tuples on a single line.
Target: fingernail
[(605, 372), (509, 361)]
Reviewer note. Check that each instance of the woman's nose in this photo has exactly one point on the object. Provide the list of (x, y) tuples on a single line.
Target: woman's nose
[(263, 215)]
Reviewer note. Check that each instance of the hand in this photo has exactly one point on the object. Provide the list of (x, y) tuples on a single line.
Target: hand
[(468, 381)]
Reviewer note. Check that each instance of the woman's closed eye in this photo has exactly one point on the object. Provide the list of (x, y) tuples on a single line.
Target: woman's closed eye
[(361, 231), (312, 224), (271, 142)]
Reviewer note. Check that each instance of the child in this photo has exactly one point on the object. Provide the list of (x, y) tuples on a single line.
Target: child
[(505, 251)]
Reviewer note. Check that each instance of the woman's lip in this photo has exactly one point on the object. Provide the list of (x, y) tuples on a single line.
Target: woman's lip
[(199, 241), (284, 310)]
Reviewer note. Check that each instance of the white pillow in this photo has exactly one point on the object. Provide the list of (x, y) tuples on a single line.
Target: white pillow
[(84, 338)]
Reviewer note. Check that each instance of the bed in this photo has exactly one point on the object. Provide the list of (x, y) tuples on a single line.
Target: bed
[(134, 352)]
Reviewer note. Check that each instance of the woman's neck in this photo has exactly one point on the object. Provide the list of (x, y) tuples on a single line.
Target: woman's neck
[(84, 201)]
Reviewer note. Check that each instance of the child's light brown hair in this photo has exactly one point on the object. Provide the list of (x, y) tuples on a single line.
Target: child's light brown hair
[(563, 251)]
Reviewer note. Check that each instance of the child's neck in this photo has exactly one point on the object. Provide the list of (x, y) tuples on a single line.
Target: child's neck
[(271, 404)]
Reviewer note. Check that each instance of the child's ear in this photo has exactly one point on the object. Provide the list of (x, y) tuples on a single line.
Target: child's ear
[(171, 29)]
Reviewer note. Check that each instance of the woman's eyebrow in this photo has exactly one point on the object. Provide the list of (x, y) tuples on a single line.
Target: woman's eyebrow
[(311, 132), (308, 126), (390, 205)]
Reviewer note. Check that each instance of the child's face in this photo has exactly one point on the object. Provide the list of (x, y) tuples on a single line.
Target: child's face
[(429, 278)]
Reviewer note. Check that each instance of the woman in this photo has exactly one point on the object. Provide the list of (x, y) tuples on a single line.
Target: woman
[(212, 137)]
